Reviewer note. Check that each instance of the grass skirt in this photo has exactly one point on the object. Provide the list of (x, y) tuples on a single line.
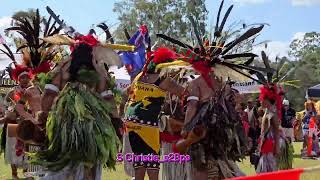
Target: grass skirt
[(79, 131)]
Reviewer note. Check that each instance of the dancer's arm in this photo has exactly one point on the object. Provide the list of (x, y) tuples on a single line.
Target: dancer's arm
[(60, 78), (193, 101), (125, 97)]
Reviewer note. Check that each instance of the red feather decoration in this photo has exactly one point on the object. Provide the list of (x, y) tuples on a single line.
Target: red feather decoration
[(272, 92), (18, 70), (143, 29), (162, 55), (44, 67), (88, 39), (204, 69)]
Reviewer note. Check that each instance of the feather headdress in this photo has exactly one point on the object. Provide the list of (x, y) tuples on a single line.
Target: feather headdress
[(37, 54), (14, 69), (219, 49), (20, 70), (271, 88), (280, 74)]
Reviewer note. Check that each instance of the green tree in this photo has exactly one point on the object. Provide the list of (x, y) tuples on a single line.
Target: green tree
[(306, 52), (161, 16), (302, 47)]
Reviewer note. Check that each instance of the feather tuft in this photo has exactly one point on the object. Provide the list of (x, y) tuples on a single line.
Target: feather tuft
[(163, 54)]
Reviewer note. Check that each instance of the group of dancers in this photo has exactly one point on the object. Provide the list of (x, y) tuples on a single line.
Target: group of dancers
[(180, 100)]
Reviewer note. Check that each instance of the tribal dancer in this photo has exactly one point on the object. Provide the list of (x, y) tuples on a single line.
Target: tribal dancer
[(269, 146), (14, 148), (276, 151), (37, 57), (147, 95), (212, 126), (134, 63), (80, 134)]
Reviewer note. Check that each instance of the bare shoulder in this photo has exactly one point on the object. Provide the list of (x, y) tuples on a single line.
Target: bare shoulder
[(194, 86)]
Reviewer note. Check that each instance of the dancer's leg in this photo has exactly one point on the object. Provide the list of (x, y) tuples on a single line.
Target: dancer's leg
[(139, 173), (153, 174)]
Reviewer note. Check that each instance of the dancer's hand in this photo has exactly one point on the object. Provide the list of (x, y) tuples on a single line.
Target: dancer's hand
[(175, 125), (200, 131)]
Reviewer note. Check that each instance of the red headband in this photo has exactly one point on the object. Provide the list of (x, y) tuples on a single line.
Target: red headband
[(272, 92), (20, 70), (88, 40)]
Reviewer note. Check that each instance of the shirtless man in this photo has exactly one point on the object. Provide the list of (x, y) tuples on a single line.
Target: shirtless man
[(208, 141), (13, 98)]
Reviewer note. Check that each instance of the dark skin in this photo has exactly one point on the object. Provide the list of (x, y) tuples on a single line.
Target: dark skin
[(198, 88), (60, 78), (10, 117)]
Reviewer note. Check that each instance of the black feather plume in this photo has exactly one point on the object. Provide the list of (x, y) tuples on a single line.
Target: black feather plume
[(197, 33), (217, 34), (105, 28), (225, 19), (127, 34), (233, 56), (246, 35), (174, 41)]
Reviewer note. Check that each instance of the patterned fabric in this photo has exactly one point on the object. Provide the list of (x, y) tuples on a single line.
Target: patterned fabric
[(268, 161), (10, 153), (141, 118)]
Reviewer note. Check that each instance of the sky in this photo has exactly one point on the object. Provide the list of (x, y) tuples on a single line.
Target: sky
[(288, 19)]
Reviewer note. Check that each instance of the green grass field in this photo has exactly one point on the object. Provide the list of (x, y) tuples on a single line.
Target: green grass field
[(119, 174)]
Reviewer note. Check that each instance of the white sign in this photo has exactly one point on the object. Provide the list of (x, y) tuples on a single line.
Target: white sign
[(122, 84), (247, 87)]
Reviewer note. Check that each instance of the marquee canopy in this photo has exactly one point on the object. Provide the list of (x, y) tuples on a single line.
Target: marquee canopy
[(314, 91)]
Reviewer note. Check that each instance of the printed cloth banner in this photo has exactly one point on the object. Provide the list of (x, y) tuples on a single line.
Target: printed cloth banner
[(247, 87), (122, 84), (292, 174)]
